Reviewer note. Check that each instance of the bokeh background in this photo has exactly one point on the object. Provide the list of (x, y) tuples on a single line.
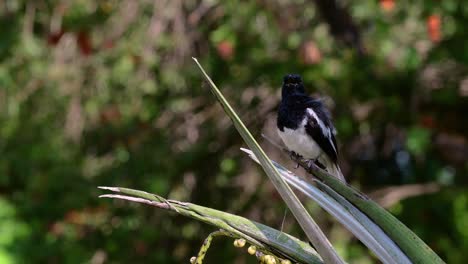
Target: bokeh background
[(105, 93)]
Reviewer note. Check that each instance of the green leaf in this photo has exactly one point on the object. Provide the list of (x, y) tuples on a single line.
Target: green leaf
[(418, 140), (278, 243), (347, 214), (416, 250)]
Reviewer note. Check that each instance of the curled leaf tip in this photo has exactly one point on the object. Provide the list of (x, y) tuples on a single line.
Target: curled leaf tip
[(248, 151)]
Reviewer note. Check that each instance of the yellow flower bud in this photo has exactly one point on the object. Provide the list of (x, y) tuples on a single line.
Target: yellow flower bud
[(252, 250), (239, 242), (269, 259)]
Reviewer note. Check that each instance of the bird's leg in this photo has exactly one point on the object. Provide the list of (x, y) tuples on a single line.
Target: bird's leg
[(310, 163), (295, 157)]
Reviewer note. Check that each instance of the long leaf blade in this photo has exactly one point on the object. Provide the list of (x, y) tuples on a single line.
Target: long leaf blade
[(277, 242), (413, 246), (313, 232)]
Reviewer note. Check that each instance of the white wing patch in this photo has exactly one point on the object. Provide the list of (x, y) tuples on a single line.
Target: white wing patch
[(326, 131)]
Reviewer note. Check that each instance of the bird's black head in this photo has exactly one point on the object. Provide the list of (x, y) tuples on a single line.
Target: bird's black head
[(292, 83)]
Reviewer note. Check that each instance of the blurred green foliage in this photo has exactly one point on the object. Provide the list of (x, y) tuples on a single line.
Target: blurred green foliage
[(105, 93)]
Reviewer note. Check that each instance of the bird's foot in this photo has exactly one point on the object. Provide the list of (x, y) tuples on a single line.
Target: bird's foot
[(295, 157)]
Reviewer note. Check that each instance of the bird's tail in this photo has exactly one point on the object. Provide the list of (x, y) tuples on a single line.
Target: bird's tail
[(334, 169)]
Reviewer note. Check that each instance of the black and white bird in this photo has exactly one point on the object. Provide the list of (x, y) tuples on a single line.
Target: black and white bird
[(305, 126)]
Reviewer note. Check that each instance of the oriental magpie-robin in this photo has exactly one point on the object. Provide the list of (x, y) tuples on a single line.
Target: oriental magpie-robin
[(304, 125)]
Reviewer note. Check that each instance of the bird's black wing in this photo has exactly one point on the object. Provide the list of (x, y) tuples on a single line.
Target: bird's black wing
[(321, 130)]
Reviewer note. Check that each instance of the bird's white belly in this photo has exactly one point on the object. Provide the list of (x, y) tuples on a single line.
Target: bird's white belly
[(299, 142)]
